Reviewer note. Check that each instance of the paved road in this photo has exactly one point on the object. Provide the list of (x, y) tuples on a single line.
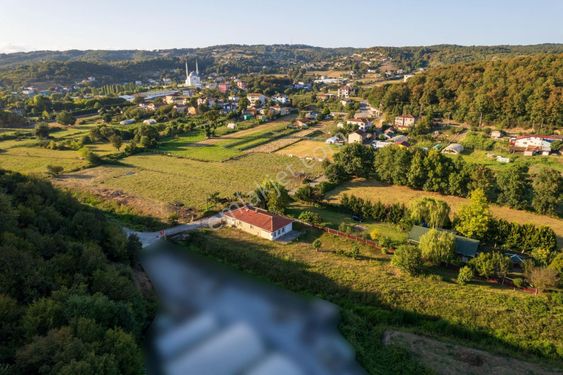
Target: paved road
[(148, 238)]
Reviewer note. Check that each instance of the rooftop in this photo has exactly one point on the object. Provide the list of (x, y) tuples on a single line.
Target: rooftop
[(259, 218)]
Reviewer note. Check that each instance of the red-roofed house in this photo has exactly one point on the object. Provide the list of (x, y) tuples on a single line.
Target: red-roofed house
[(259, 222)]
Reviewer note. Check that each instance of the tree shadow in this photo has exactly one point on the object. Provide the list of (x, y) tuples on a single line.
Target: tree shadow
[(362, 311)]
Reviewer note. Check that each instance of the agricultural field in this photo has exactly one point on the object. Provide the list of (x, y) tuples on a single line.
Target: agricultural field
[(242, 138), (401, 194), (192, 147), (36, 159), (309, 149), (169, 179), (374, 297)]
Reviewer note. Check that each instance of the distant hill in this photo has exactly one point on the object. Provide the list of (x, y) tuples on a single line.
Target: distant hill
[(65, 67)]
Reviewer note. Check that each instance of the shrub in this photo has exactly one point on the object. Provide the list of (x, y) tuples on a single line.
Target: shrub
[(54, 170), (310, 217), (543, 278), (465, 275), (317, 244), (408, 259), (518, 282)]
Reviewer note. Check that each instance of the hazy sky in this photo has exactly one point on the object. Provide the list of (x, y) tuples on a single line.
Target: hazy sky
[(143, 24)]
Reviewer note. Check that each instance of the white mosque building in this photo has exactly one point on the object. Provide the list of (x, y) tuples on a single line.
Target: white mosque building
[(192, 78)]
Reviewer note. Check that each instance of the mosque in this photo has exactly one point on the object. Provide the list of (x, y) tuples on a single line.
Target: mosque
[(192, 78)]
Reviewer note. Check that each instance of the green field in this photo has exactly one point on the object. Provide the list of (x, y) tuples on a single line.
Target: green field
[(169, 179), (373, 297), (332, 217), (189, 147), (534, 162)]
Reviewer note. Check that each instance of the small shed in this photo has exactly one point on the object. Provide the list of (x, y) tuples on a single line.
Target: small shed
[(231, 125), (453, 148), (465, 247)]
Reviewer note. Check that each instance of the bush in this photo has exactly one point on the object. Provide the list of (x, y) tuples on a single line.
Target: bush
[(465, 275), (408, 259), (54, 170), (518, 282), (310, 217)]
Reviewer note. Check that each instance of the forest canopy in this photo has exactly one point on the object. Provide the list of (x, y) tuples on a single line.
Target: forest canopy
[(521, 91), (68, 304)]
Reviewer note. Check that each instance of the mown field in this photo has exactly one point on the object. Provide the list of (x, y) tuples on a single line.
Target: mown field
[(169, 179), (374, 297), (392, 194), (309, 149), (192, 147)]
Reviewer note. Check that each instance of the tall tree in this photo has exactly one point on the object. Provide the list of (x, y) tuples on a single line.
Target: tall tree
[(437, 246), (474, 218), (514, 186), (548, 188)]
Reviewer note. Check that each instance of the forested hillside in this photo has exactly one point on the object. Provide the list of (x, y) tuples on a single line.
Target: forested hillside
[(520, 91), (68, 304)]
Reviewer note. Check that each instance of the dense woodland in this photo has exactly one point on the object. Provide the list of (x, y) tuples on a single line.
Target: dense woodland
[(68, 304), (521, 91)]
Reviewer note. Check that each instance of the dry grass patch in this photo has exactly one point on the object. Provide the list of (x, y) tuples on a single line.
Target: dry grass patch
[(309, 149)]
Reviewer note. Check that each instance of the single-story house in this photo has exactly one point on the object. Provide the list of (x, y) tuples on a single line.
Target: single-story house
[(465, 247), (453, 148), (127, 122), (259, 222)]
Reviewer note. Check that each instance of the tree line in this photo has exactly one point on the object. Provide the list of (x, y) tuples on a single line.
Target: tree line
[(68, 303), (432, 171)]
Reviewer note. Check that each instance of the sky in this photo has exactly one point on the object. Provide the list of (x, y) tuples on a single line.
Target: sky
[(27, 25)]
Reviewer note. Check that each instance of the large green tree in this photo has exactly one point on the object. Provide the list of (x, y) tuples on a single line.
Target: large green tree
[(437, 246), (474, 218), (548, 188), (514, 186)]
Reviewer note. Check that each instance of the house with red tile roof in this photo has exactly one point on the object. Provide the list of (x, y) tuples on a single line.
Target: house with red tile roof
[(259, 222)]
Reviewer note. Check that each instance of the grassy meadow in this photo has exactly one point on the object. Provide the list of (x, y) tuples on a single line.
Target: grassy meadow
[(169, 179), (373, 296)]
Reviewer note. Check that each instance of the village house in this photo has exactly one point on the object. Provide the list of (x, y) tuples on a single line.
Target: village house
[(281, 99), (362, 124), (241, 85), (224, 87), (356, 137), (303, 123), (497, 134), (404, 122), (531, 144), (323, 97), (344, 91), (259, 222), (256, 99)]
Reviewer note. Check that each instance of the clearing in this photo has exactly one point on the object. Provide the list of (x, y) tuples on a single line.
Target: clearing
[(309, 149)]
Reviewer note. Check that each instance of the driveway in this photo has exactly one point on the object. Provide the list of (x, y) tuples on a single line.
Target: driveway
[(148, 238)]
